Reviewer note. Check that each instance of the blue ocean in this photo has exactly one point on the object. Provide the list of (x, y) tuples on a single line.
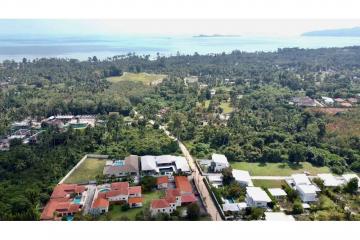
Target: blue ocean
[(82, 47)]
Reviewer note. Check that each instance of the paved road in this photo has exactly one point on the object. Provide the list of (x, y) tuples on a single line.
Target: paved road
[(198, 179), (89, 199)]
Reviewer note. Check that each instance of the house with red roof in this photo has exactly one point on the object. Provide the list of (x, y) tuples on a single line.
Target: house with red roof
[(65, 200), (160, 206), (162, 182), (118, 192), (175, 197)]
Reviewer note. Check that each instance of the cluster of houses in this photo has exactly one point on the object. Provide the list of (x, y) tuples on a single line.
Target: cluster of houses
[(324, 102), (115, 193), (69, 199), (135, 166), (29, 129), (65, 201), (64, 121), (179, 196), (258, 197)]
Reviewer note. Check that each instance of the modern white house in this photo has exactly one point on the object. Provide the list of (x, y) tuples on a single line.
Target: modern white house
[(234, 207), (215, 179), (242, 177), (277, 193), (257, 197), (307, 193), (349, 176), (163, 165), (302, 184), (219, 162), (329, 180)]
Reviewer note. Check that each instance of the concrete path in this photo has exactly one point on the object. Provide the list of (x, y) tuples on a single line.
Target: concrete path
[(89, 199)]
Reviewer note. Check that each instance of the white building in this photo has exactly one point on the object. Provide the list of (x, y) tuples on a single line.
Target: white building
[(329, 180), (277, 192), (328, 100), (242, 177), (160, 206), (307, 193), (215, 179), (300, 179), (164, 164), (234, 207), (219, 162), (257, 197), (349, 176)]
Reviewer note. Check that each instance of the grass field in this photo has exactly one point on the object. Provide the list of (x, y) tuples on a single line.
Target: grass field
[(226, 107), (145, 78), (115, 212), (278, 169), (268, 183), (87, 171)]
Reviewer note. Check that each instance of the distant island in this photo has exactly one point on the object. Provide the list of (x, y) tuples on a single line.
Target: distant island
[(214, 35), (343, 32)]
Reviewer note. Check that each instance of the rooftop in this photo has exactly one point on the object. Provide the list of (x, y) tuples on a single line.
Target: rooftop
[(242, 176), (183, 184), (162, 179), (300, 179), (100, 203), (257, 194), (159, 203), (219, 158), (277, 192), (310, 189), (329, 180)]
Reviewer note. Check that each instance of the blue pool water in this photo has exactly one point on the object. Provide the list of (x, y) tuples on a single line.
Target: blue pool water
[(104, 190), (77, 200), (119, 163), (69, 218), (231, 200)]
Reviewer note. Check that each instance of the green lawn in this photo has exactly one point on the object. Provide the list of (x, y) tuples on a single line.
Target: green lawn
[(278, 169), (226, 107), (115, 213), (146, 78), (87, 171), (268, 183)]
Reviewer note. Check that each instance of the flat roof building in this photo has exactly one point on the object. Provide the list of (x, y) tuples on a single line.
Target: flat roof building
[(242, 177)]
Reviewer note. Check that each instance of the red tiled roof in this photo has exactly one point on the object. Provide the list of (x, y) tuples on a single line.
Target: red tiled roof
[(173, 192), (135, 190), (188, 198), (135, 200), (159, 203), (62, 190), (162, 179), (114, 193), (182, 183), (122, 187), (58, 206), (100, 203)]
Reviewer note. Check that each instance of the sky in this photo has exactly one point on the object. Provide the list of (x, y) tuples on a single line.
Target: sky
[(260, 27)]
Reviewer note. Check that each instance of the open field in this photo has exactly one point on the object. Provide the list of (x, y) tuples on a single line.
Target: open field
[(278, 169), (145, 78), (226, 107), (116, 213), (87, 171), (268, 183)]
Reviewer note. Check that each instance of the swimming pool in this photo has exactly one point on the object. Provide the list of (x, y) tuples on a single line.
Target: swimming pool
[(104, 190), (119, 163), (231, 200), (77, 200), (69, 218)]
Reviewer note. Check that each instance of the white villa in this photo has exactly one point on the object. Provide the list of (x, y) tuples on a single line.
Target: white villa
[(277, 193), (163, 165), (307, 191), (329, 180), (257, 197), (242, 177), (219, 162)]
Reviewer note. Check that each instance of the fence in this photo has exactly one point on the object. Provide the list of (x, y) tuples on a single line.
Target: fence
[(217, 204)]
